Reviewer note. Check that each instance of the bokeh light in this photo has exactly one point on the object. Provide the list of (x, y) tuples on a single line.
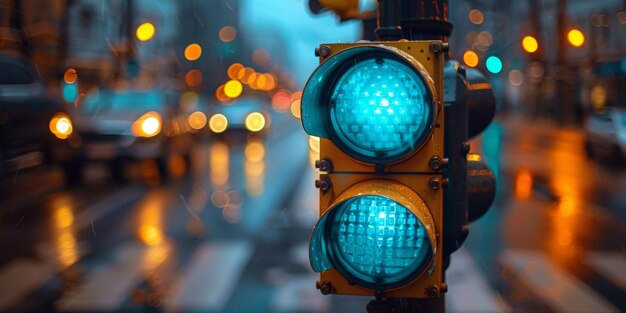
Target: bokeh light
[(193, 52), (484, 39), (145, 31), (233, 89), (244, 74), (476, 16), (516, 78), (295, 109), (218, 123), (269, 82), (281, 101), (523, 185), (220, 95), (234, 71), (576, 37), (470, 58), (530, 44), (61, 125), (494, 64), (70, 76), (255, 122), (228, 33), (197, 120), (193, 78), (70, 92)]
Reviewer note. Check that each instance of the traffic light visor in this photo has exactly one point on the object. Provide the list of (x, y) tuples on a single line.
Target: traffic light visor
[(375, 102), (375, 239)]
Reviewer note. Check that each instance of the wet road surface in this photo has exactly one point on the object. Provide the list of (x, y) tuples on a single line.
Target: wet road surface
[(232, 236)]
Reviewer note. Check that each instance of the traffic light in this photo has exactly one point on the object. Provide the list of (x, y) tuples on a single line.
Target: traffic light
[(378, 109)]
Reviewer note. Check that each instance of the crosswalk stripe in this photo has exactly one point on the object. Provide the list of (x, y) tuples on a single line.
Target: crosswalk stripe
[(611, 265), (107, 287), (211, 277), (468, 289), (20, 278), (561, 291)]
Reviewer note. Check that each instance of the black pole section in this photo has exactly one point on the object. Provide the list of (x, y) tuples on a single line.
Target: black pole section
[(388, 22), (425, 20), (368, 30)]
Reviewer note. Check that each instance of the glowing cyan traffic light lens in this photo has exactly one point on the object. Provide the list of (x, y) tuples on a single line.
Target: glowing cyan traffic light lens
[(380, 109), (378, 241)]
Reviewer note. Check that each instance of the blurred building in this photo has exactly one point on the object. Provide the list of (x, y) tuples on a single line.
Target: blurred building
[(94, 37), (559, 80), (35, 30), (102, 43)]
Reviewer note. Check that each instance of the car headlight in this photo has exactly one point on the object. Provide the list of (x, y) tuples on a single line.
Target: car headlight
[(255, 122), (61, 125), (148, 125)]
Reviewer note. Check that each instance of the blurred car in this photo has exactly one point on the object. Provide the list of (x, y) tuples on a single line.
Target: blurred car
[(25, 113), (605, 134), (116, 126), (247, 115)]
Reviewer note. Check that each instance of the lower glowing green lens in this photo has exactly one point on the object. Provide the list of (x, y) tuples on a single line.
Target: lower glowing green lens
[(378, 241)]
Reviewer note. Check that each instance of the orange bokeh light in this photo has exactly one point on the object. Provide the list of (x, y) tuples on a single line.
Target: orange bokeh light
[(523, 185), (70, 76), (193, 78), (220, 95), (193, 52), (228, 33), (234, 71), (470, 58)]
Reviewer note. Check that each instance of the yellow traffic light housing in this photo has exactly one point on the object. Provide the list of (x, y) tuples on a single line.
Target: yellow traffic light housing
[(378, 108)]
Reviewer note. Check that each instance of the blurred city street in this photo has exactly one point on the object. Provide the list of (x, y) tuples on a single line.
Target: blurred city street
[(153, 156), (233, 236)]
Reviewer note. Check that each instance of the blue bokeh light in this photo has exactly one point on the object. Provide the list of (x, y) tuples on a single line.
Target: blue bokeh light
[(494, 64), (70, 92), (379, 241), (382, 109)]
